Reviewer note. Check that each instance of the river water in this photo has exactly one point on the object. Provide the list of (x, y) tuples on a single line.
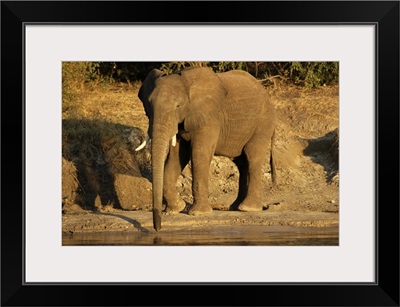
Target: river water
[(223, 235)]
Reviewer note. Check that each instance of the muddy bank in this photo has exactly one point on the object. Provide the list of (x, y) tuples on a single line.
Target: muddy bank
[(142, 220), (219, 228)]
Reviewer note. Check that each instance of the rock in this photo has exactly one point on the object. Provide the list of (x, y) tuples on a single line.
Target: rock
[(133, 193), (69, 184)]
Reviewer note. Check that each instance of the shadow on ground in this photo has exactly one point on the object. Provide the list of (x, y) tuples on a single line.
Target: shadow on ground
[(325, 151)]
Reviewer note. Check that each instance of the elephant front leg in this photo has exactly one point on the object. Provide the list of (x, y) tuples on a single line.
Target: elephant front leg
[(202, 153), (177, 160)]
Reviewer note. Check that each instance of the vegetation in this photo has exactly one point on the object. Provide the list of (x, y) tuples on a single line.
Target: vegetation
[(309, 74)]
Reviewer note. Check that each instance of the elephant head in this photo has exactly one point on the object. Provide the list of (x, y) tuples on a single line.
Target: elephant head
[(191, 97)]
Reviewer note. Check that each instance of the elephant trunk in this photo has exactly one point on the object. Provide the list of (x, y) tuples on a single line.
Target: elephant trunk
[(272, 160), (159, 151)]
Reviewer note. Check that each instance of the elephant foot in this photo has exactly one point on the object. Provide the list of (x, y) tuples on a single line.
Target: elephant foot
[(250, 207), (175, 207), (197, 210)]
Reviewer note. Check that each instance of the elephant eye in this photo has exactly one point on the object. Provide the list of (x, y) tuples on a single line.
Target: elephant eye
[(178, 105)]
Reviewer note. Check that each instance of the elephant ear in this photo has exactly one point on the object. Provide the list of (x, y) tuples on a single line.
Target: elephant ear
[(147, 88), (206, 95)]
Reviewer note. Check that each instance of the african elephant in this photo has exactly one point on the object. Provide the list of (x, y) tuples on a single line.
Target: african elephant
[(195, 114)]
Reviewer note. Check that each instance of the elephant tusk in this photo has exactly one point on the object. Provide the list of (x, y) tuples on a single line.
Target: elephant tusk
[(141, 146), (173, 141)]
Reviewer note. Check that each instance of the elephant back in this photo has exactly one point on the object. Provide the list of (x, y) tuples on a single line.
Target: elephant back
[(240, 83), (203, 80)]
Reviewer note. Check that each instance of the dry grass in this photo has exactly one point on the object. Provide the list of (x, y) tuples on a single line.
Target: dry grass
[(100, 144), (117, 103), (308, 112)]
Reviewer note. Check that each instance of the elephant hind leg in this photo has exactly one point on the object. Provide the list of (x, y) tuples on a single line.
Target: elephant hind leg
[(243, 167), (256, 153), (178, 158)]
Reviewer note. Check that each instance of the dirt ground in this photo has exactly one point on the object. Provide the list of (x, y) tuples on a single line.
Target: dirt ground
[(104, 196)]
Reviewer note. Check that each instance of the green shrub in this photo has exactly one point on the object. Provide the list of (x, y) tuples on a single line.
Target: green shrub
[(77, 75), (226, 66), (308, 74), (172, 67), (314, 74)]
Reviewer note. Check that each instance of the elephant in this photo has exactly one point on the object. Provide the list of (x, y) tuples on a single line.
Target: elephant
[(195, 114)]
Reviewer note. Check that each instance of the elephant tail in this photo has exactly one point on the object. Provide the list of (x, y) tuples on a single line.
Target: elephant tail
[(272, 160)]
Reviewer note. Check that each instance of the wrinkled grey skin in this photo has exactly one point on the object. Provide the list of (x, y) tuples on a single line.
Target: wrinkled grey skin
[(225, 114)]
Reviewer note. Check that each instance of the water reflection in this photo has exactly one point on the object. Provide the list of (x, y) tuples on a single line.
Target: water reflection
[(233, 236)]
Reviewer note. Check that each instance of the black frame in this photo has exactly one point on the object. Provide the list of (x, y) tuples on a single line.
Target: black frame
[(383, 14)]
